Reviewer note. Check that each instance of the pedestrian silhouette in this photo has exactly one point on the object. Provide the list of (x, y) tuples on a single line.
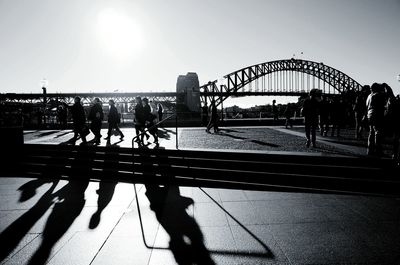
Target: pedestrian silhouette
[(213, 119), (113, 120), (375, 112), (310, 112), (79, 120), (96, 116)]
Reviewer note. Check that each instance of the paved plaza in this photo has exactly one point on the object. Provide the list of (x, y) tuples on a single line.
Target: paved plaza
[(80, 222)]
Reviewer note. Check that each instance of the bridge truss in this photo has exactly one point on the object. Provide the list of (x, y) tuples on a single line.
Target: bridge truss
[(291, 77), (87, 98)]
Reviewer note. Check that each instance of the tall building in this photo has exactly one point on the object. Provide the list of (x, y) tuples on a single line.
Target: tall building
[(188, 86)]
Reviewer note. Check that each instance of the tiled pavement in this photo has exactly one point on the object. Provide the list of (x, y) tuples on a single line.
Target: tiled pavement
[(98, 223)]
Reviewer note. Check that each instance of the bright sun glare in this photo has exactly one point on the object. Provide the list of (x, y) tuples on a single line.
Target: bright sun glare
[(119, 34)]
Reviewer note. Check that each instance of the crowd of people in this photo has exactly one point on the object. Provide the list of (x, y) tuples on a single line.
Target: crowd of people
[(375, 109), (146, 116)]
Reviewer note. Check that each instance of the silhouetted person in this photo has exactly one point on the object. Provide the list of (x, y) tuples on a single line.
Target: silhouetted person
[(289, 111), (324, 111), (96, 116), (337, 115), (275, 110), (62, 116), (360, 110), (140, 121), (310, 112), (79, 120), (375, 112), (160, 111), (113, 120), (213, 119), (149, 120), (392, 119)]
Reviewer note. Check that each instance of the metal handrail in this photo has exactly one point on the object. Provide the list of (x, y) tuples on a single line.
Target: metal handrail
[(147, 129)]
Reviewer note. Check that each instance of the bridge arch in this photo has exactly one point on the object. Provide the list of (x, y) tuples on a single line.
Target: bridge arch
[(290, 72)]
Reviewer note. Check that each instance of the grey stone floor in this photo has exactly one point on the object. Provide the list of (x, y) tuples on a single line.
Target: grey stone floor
[(98, 223)]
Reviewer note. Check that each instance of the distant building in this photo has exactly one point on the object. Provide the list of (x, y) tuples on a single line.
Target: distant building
[(188, 87)]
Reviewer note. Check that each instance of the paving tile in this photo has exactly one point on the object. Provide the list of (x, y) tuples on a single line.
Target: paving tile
[(209, 214), (257, 244), (228, 195), (243, 212), (320, 243), (200, 196), (123, 250)]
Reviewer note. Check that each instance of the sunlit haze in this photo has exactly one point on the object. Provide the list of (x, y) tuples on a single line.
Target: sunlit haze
[(140, 46)]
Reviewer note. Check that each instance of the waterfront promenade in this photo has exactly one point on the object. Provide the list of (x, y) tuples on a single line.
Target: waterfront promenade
[(78, 222)]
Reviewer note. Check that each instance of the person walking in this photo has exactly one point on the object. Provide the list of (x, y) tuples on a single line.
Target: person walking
[(310, 112), (213, 119), (289, 111), (96, 116), (376, 113), (140, 121), (324, 116), (79, 120), (113, 120)]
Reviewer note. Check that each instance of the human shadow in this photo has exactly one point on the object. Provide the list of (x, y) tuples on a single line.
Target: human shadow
[(71, 200), (186, 238), (62, 134), (28, 190), (250, 140), (163, 133), (14, 233), (47, 133), (169, 131), (106, 188)]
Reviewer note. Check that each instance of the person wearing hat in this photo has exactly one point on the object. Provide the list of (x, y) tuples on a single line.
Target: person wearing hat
[(113, 120), (310, 112)]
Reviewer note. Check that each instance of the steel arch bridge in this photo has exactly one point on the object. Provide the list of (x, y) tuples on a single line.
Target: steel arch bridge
[(289, 77)]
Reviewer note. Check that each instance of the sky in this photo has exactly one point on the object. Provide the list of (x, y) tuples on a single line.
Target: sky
[(143, 45)]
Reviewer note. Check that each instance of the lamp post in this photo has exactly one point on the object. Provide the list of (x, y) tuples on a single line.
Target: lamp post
[(44, 84)]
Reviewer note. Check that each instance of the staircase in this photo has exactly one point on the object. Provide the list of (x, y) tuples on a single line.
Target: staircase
[(242, 170)]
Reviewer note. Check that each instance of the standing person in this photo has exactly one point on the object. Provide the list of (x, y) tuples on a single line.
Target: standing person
[(338, 115), (213, 119), (376, 113), (96, 116), (113, 120), (160, 111), (360, 110), (275, 110), (310, 112), (151, 120), (79, 120)]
